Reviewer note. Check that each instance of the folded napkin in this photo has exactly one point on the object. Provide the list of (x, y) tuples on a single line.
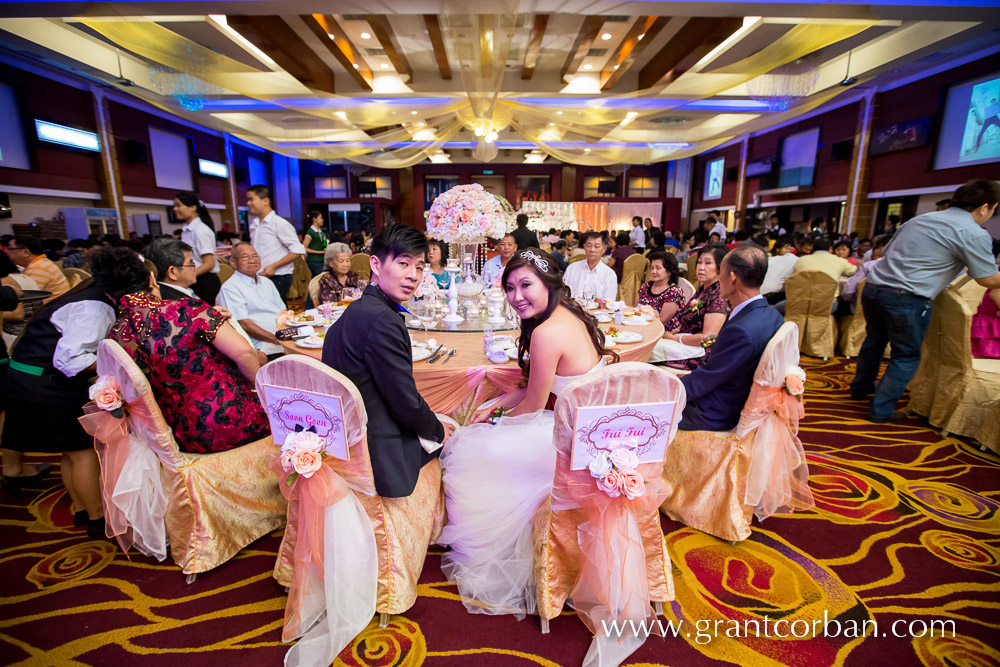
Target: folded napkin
[(497, 353)]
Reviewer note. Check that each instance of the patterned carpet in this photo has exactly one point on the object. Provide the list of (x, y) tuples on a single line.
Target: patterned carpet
[(906, 533)]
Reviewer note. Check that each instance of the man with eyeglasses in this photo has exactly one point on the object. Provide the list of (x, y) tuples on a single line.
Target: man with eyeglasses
[(27, 254), (175, 268), (592, 277), (252, 299)]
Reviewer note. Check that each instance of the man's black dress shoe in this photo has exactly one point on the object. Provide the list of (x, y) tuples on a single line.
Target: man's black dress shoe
[(896, 416)]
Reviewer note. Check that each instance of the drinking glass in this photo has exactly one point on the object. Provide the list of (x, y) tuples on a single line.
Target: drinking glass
[(428, 317)]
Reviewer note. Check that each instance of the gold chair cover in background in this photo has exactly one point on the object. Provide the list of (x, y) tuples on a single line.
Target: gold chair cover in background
[(989, 430), (301, 275), (710, 476), (852, 328), (75, 276), (404, 527), (361, 265), (313, 290), (576, 258), (692, 272), (216, 503), (633, 275), (951, 388), (809, 305), (225, 269)]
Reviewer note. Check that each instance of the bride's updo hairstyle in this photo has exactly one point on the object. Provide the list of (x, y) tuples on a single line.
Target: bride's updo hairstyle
[(545, 267)]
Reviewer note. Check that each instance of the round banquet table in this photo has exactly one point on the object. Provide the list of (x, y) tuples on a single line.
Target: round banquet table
[(468, 379)]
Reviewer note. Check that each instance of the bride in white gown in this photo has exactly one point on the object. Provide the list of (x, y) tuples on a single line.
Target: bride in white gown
[(495, 477)]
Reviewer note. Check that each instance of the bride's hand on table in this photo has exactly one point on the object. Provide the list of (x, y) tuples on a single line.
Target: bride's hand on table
[(449, 428)]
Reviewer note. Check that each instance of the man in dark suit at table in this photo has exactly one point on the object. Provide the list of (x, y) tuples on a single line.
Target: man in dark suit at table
[(717, 390), (369, 344)]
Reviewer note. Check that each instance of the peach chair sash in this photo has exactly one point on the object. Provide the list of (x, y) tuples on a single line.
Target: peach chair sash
[(612, 584), (335, 578), (778, 476), (131, 450)]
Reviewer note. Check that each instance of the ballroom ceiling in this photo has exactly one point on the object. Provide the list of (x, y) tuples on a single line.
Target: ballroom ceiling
[(588, 82)]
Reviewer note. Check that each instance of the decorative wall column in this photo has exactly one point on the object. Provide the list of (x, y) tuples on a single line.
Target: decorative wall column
[(113, 196), (860, 211), (232, 212), (739, 214)]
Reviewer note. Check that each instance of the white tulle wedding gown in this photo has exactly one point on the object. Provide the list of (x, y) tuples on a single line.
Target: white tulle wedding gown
[(495, 477)]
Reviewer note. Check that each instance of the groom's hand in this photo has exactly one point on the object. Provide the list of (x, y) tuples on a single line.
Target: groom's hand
[(448, 429)]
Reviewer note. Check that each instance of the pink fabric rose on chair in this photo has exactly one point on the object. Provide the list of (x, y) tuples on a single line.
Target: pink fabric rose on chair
[(795, 381), (625, 459), (611, 483), (632, 484), (106, 394), (306, 462)]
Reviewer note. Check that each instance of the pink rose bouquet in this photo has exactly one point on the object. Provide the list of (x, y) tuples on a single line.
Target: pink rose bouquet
[(616, 470), (468, 214), (795, 382), (107, 395), (302, 455)]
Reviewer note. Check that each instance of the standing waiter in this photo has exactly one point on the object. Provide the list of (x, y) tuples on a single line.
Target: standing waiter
[(197, 234)]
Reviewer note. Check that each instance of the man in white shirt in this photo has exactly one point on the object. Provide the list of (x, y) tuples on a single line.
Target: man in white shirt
[(719, 227), (593, 275), (201, 239), (274, 238), (779, 266), (252, 299), (637, 237), (494, 266), (774, 225)]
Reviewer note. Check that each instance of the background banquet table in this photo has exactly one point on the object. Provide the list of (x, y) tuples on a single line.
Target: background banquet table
[(469, 378)]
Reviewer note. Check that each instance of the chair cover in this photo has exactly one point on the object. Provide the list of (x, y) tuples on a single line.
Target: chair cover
[(608, 554), (361, 265), (989, 430), (809, 305), (403, 527), (692, 274), (687, 288), (75, 276), (329, 550), (314, 289), (225, 269), (715, 481), (633, 272), (575, 258), (152, 491), (852, 327), (301, 275), (671, 249)]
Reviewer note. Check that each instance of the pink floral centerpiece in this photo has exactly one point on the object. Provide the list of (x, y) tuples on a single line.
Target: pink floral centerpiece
[(468, 214)]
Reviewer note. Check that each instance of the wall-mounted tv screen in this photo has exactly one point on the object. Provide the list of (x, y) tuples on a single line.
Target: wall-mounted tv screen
[(798, 159), (970, 126), (900, 136), (713, 178)]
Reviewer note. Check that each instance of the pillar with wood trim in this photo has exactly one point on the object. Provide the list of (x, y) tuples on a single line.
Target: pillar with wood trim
[(111, 190), (739, 214), (860, 213), (232, 210)]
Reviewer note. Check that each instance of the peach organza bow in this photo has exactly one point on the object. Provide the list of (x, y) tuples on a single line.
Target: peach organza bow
[(113, 445), (778, 476), (612, 584)]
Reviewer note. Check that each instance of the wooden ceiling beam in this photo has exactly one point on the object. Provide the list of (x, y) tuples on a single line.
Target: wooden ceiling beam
[(534, 45), (276, 38), (340, 47), (643, 32), (433, 25), (695, 40), (585, 38), (387, 39)]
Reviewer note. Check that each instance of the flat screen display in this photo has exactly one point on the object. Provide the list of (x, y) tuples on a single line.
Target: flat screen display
[(713, 178), (970, 124), (13, 148), (798, 159)]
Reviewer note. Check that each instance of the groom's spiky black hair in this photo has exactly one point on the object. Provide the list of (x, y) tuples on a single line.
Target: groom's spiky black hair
[(395, 240)]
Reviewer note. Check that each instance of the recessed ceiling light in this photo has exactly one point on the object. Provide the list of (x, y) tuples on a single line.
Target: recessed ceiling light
[(588, 66), (641, 36), (413, 113), (552, 124), (330, 35), (366, 35), (384, 65), (606, 36), (559, 113), (357, 66), (616, 66)]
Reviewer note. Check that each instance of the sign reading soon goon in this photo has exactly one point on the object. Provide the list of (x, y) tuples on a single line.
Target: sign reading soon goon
[(291, 410), (645, 428)]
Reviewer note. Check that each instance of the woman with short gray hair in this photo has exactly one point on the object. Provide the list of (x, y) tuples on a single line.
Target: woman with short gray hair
[(338, 275)]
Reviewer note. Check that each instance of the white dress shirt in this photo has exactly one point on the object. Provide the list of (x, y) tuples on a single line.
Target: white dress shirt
[(200, 237), (83, 325), (638, 236), (491, 269), (601, 280), (273, 238), (255, 299), (743, 305), (779, 268), (719, 229)]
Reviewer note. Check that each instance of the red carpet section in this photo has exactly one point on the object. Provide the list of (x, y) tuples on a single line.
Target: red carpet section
[(898, 565)]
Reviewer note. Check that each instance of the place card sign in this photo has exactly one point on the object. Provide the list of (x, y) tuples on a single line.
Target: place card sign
[(645, 428), (291, 410)]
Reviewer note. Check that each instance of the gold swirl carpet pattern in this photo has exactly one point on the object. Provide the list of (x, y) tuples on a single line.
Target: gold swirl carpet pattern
[(898, 564)]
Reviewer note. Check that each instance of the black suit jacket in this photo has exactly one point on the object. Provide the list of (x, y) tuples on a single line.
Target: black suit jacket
[(525, 238), (717, 391), (369, 344), (171, 293)]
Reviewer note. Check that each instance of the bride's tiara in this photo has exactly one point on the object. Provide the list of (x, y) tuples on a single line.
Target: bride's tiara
[(542, 264)]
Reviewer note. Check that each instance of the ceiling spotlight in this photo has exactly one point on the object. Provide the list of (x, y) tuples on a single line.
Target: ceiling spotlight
[(559, 113), (491, 137), (357, 66), (639, 38), (588, 66), (616, 67), (586, 150), (366, 35), (413, 113), (629, 117), (480, 131), (331, 35), (552, 124), (384, 65), (606, 36)]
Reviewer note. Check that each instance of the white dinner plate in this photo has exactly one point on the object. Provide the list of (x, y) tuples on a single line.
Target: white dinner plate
[(635, 321), (609, 342), (419, 353), (604, 317), (512, 353), (312, 343), (626, 337)]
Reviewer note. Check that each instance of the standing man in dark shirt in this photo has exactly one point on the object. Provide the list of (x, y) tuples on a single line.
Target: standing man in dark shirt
[(524, 237)]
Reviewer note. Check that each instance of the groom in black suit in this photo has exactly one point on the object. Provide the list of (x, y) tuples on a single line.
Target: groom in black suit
[(369, 344), (717, 390)]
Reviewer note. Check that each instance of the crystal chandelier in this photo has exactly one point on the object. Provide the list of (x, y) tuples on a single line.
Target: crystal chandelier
[(188, 90), (782, 86)]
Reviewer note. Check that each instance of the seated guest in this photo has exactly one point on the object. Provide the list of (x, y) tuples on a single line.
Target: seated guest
[(622, 252), (551, 237), (717, 390), (843, 250), (823, 260), (850, 291), (252, 299), (779, 266), (27, 253), (15, 318), (494, 266), (700, 319), (863, 253), (558, 252), (592, 276), (201, 371), (79, 253), (986, 327), (175, 268), (369, 344), (657, 240), (661, 294), (47, 382), (338, 274), (437, 259), (669, 240)]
